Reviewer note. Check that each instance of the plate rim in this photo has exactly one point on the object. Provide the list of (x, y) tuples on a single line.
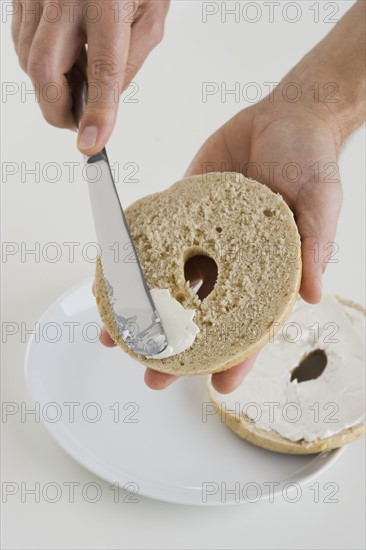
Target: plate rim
[(302, 479)]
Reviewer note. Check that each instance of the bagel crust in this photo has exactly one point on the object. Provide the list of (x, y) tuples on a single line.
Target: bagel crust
[(249, 232), (272, 441)]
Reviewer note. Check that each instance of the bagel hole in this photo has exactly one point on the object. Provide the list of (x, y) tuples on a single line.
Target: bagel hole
[(201, 273), (311, 367)]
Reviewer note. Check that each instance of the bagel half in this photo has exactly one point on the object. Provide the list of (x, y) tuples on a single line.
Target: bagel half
[(273, 441), (249, 232)]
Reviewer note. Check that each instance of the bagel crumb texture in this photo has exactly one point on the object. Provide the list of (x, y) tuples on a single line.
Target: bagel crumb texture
[(249, 232)]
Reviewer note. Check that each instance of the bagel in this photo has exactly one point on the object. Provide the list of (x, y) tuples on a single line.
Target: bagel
[(234, 225), (328, 411)]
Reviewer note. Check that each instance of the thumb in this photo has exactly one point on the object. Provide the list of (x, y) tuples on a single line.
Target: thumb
[(218, 152), (106, 67), (227, 381), (317, 210), (211, 157)]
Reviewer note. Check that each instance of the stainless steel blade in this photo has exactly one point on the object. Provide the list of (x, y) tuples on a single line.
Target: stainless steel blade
[(134, 311), (135, 314)]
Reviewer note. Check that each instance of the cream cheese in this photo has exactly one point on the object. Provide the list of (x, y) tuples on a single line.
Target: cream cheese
[(312, 409), (177, 323)]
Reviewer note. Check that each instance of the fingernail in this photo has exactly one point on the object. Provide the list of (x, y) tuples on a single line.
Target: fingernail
[(88, 137)]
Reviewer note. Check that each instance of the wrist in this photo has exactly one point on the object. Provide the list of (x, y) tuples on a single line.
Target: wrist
[(319, 93), (327, 95), (301, 96), (332, 75)]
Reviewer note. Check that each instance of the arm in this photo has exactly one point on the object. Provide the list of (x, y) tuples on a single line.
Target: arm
[(337, 64), (307, 132)]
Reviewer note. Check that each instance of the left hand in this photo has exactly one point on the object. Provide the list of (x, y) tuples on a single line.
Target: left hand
[(293, 149)]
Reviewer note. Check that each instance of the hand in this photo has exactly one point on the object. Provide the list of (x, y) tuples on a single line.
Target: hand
[(49, 39), (262, 142)]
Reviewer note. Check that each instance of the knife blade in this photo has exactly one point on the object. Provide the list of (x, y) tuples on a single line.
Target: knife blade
[(135, 314)]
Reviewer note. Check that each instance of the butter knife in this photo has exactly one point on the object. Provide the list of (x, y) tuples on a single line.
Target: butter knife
[(134, 311)]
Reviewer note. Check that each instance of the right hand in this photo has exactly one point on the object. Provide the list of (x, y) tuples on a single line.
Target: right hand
[(49, 39)]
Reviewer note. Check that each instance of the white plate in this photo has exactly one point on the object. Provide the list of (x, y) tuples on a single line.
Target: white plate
[(159, 446)]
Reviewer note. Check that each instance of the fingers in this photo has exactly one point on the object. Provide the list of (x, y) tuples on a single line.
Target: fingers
[(105, 339), (48, 46), (31, 16), (154, 380), (158, 380), (226, 150), (48, 43), (213, 156), (54, 50), (112, 63), (107, 61), (223, 382), (317, 210), (16, 23), (312, 271), (229, 380)]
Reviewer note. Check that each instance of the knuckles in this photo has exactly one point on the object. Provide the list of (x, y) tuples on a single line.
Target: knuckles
[(38, 70), (55, 123), (55, 116), (131, 70), (104, 68), (23, 55), (157, 31)]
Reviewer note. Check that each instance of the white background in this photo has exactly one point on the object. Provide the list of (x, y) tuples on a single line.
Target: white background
[(160, 132)]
